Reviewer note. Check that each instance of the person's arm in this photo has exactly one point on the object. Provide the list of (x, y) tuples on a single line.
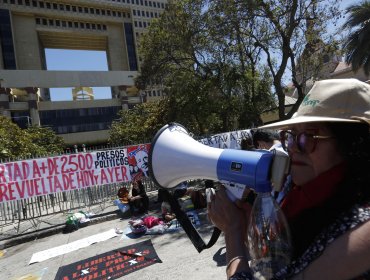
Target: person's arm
[(232, 221), (347, 257), (236, 255)]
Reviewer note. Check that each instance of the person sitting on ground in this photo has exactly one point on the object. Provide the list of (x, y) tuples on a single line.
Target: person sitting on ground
[(139, 199), (166, 210), (123, 194), (328, 208)]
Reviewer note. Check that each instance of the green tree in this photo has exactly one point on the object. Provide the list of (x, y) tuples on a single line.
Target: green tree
[(287, 31), (138, 125), (25, 143), (211, 82), (357, 45), (45, 139)]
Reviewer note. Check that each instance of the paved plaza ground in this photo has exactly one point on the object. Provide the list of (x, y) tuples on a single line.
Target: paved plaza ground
[(180, 259)]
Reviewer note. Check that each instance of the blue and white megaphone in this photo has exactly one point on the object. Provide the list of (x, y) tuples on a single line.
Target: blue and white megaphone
[(176, 157)]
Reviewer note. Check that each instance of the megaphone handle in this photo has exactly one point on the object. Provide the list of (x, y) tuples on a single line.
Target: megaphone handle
[(189, 228)]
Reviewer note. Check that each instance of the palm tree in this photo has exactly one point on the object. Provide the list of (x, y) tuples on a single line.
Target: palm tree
[(357, 45)]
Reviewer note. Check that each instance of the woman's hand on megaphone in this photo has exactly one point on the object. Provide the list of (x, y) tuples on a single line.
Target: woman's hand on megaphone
[(226, 215)]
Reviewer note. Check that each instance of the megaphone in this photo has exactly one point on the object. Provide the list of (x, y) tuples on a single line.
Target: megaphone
[(176, 157)]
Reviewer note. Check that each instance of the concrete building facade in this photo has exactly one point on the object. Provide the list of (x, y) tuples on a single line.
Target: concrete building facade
[(28, 27)]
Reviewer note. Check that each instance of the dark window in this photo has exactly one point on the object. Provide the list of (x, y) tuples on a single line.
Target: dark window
[(108, 12), (64, 23), (134, 12), (21, 118), (103, 12), (76, 24), (44, 21), (61, 7), (86, 10), (55, 6), (92, 11), (93, 26), (147, 14), (41, 4), (6, 40), (68, 8), (88, 25), (70, 24), (57, 22), (51, 22), (74, 8), (129, 34), (27, 2), (97, 11), (80, 10), (48, 5), (38, 21), (79, 120), (114, 13), (34, 3)]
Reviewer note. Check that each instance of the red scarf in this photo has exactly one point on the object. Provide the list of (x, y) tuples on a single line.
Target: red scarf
[(314, 193)]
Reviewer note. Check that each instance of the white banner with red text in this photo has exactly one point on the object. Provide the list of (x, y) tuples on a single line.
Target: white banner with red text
[(42, 176)]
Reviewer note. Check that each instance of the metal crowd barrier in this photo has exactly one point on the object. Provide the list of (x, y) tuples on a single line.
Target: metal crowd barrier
[(35, 209)]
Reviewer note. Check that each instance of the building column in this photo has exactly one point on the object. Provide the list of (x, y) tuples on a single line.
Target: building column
[(33, 105), (4, 102), (123, 96)]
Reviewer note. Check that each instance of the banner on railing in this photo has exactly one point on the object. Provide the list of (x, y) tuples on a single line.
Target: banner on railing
[(42, 176), (227, 140)]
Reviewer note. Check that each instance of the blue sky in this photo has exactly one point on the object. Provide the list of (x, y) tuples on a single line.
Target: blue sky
[(76, 60)]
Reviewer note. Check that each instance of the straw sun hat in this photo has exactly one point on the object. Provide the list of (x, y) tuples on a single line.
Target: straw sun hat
[(335, 100)]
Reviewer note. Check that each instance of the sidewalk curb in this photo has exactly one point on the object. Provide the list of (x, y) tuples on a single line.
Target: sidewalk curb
[(56, 229), (26, 237)]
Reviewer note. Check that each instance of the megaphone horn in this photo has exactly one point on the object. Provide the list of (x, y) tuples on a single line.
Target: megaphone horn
[(176, 157)]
